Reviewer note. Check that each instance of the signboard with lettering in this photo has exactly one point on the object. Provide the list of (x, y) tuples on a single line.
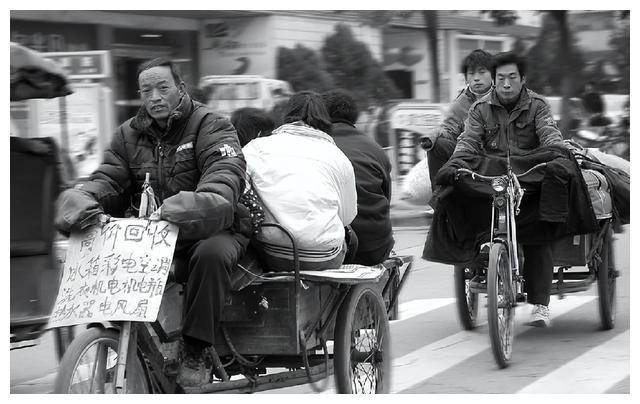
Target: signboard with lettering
[(83, 65), (416, 117), (115, 272), (408, 122)]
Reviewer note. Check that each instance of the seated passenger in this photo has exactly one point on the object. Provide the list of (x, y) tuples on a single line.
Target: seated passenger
[(372, 168), (251, 123), (306, 184), (440, 143)]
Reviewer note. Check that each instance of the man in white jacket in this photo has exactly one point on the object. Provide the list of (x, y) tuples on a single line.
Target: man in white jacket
[(306, 184)]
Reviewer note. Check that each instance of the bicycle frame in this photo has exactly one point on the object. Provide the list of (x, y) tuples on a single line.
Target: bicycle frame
[(505, 207)]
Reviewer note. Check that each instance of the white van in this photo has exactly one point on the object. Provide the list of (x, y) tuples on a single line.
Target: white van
[(227, 93)]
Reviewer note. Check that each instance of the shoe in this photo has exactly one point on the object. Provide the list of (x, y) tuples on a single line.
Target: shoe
[(192, 371), (539, 316)]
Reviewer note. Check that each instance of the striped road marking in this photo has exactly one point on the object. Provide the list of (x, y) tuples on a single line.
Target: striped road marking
[(595, 371), (424, 363)]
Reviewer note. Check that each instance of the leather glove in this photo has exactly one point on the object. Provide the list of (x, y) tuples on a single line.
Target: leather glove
[(446, 175)]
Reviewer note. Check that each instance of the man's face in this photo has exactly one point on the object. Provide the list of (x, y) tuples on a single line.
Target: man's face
[(508, 82), (159, 92), (478, 79)]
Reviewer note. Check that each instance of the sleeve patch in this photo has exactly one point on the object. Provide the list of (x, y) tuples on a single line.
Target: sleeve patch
[(227, 151)]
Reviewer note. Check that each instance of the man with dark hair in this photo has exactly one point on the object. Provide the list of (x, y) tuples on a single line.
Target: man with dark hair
[(251, 123), (197, 172), (512, 121), (372, 168), (476, 67)]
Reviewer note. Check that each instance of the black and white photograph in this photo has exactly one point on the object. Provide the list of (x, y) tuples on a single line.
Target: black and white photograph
[(300, 201)]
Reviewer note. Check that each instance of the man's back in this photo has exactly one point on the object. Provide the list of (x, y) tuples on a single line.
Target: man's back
[(372, 169)]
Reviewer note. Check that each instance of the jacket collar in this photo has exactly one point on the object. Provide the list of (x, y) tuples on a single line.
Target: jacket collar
[(143, 121), (336, 121), (300, 128)]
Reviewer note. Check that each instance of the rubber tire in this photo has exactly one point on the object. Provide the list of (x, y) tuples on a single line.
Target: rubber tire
[(342, 339), (468, 319), (501, 356), (77, 349), (607, 283)]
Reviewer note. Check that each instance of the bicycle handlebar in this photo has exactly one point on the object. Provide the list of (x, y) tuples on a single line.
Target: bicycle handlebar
[(475, 175)]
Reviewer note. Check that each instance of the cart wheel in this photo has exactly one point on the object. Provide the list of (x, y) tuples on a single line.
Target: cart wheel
[(607, 283), (89, 366), (466, 301), (501, 304), (362, 359)]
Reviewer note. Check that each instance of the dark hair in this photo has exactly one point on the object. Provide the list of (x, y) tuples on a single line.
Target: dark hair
[(475, 59), (162, 61), (249, 122), (341, 105), (307, 106), (506, 58)]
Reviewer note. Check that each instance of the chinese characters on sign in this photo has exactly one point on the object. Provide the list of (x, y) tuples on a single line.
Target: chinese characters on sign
[(115, 272)]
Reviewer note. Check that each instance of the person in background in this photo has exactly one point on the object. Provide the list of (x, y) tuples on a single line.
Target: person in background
[(372, 225), (440, 143), (197, 172), (306, 184), (251, 123), (594, 104)]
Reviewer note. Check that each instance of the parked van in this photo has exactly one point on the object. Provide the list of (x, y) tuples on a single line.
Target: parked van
[(225, 94)]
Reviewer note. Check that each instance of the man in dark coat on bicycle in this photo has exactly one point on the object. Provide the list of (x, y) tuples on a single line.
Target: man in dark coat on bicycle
[(198, 173), (514, 120)]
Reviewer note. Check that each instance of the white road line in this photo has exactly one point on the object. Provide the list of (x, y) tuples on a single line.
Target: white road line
[(426, 362), (595, 371), (412, 308)]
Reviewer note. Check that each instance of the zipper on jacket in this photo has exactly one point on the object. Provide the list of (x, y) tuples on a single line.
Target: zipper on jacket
[(160, 154)]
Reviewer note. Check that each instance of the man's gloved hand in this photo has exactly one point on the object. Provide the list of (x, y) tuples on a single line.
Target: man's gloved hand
[(427, 141), (75, 211), (446, 175)]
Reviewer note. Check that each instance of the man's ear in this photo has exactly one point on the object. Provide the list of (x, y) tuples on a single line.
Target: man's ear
[(524, 80), (182, 88)]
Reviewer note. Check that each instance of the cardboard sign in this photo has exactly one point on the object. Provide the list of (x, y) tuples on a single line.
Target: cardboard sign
[(115, 272)]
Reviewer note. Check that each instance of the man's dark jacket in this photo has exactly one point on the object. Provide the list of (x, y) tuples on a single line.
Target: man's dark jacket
[(196, 167), (372, 170)]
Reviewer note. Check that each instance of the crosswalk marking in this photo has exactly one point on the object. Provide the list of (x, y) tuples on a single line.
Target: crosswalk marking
[(424, 363), (407, 310), (421, 364), (595, 371)]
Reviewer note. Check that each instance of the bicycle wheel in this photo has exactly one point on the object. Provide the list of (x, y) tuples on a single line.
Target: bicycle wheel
[(607, 283), (466, 301), (89, 366), (362, 360), (501, 304)]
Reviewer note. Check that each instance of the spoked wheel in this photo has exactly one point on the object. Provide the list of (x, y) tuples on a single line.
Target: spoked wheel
[(501, 304), (607, 283), (466, 301), (362, 360), (89, 366)]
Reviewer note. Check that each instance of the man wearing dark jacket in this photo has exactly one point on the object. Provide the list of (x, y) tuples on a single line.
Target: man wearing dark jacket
[(197, 172), (512, 121), (372, 168)]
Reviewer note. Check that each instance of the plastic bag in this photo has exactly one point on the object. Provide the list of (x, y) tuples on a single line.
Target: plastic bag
[(416, 188)]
